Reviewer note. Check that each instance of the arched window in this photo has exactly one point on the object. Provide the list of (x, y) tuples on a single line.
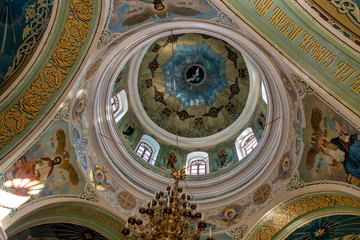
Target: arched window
[(245, 143), (148, 149), (144, 151), (249, 144), (197, 163), (115, 104), (119, 105), (198, 167)]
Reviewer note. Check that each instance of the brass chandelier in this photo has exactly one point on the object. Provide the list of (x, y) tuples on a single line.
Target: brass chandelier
[(169, 216)]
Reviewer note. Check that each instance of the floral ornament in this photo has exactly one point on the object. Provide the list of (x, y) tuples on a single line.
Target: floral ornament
[(148, 83), (229, 106), (199, 121), (242, 73), (79, 109), (167, 112), (155, 48)]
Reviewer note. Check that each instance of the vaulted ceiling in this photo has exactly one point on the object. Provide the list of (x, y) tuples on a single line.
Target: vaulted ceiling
[(191, 76)]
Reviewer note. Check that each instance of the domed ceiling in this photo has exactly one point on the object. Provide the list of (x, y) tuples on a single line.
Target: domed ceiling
[(193, 85)]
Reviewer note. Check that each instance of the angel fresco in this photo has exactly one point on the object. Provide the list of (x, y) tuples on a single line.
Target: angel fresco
[(99, 178), (159, 96), (213, 112), (156, 9), (345, 148), (41, 168), (231, 214), (79, 109), (183, 115), (285, 167)]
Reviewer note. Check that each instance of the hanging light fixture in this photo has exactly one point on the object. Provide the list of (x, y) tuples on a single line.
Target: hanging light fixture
[(172, 215), (169, 216)]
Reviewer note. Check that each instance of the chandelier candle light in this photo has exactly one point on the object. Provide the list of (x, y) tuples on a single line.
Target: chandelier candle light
[(168, 216)]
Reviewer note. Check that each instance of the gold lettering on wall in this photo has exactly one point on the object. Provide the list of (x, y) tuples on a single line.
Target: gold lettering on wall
[(262, 7), (309, 44), (343, 72), (355, 87), (287, 26), (319, 53)]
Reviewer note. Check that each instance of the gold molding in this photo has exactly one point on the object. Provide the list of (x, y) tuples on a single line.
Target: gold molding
[(49, 80), (289, 212)]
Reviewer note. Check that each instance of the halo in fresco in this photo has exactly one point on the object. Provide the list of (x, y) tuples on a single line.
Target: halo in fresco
[(199, 84)]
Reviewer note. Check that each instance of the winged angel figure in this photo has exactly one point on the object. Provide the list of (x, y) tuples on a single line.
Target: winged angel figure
[(231, 214), (332, 154), (41, 168), (158, 10)]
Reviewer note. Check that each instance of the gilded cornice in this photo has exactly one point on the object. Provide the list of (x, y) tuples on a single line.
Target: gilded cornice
[(52, 76), (279, 219)]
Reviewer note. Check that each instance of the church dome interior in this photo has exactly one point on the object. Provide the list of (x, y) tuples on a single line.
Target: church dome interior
[(235, 119), (190, 87)]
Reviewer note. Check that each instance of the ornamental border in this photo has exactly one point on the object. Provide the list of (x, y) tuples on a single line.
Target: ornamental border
[(51, 77), (287, 213)]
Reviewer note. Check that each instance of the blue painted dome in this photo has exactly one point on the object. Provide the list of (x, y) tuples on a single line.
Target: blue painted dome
[(193, 85)]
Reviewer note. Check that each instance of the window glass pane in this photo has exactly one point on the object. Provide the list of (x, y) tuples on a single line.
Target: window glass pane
[(197, 167), (144, 151)]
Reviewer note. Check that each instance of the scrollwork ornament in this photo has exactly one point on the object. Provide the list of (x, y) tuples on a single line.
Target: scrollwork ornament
[(37, 17), (12, 123), (64, 112), (30, 102), (64, 55), (89, 194), (222, 18), (347, 6), (83, 9), (74, 33), (300, 85), (106, 37), (50, 78), (238, 233), (294, 183)]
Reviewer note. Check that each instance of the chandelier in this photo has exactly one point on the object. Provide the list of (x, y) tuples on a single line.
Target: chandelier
[(169, 216)]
